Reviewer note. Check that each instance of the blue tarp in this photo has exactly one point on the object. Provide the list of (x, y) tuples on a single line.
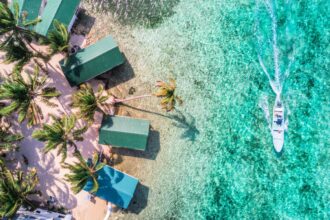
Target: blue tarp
[(114, 186)]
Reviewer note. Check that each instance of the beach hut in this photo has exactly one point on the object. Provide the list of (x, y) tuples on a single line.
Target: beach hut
[(92, 61), (61, 10), (30, 8), (124, 132), (114, 186)]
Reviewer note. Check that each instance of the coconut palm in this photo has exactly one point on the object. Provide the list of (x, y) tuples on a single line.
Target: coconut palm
[(89, 102), (8, 139), (166, 91), (16, 188), (58, 39), (83, 171), (60, 135), (13, 22), (16, 34), (15, 50), (23, 96)]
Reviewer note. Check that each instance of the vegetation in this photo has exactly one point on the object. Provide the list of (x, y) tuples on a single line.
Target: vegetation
[(17, 36), (16, 188), (8, 139), (166, 91), (82, 172), (89, 102), (58, 39), (24, 94), (60, 135)]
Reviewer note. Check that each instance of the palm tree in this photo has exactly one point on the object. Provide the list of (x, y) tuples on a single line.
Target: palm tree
[(15, 190), (59, 39), (8, 139), (166, 91), (89, 102), (17, 35), (82, 172), (60, 134), (18, 38), (23, 96), (16, 51)]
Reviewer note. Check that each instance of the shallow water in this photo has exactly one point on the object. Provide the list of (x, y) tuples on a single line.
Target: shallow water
[(217, 160)]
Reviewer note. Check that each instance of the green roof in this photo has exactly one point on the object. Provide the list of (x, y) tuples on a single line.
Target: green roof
[(124, 132), (61, 10), (31, 7), (92, 61)]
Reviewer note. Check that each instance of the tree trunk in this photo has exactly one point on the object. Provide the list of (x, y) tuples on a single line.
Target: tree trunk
[(131, 98)]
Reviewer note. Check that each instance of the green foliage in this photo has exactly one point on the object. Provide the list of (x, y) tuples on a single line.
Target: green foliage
[(8, 139), (15, 50), (60, 134), (16, 36), (89, 102), (15, 190), (11, 20), (83, 171), (59, 38), (23, 95), (8, 20), (166, 91)]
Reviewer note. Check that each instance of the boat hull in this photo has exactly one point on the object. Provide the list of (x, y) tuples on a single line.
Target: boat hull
[(278, 125)]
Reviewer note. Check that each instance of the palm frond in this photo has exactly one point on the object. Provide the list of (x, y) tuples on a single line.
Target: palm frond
[(22, 95), (81, 172), (8, 139), (166, 91), (60, 134), (89, 102), (59, 38), (15, 189)]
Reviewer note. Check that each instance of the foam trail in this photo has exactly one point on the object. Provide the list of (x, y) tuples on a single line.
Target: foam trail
[(276, 83), (263, 104), (275, 51)]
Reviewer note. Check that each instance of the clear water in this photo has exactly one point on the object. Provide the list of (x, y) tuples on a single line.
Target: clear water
[(219, 162)]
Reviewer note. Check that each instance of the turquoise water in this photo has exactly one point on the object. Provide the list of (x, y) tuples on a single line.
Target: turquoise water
[(219, 158)]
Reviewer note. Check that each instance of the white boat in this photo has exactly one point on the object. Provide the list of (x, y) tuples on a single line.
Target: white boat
[(278, 125)]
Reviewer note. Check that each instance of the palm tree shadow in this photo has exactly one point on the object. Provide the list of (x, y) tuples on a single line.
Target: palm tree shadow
[(187, 123), (183, 121)]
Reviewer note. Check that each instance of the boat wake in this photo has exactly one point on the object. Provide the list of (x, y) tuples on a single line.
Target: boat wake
[(276, 80), (263, 104)]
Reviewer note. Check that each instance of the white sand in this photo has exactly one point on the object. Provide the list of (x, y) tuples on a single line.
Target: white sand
[(50, 173)]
